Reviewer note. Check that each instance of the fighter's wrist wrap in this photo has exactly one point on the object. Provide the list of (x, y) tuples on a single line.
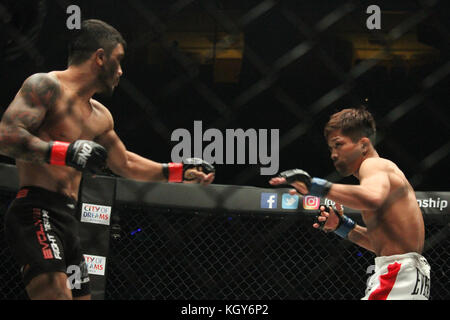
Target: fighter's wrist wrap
[(173, 171), (57, 152), (345, 226), (319, 187)]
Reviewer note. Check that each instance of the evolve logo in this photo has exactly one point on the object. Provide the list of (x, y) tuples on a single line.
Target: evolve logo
[(289, 201), (311, 203), (269, 200)]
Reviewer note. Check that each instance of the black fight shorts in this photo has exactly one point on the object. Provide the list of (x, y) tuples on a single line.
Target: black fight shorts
[(42, 231)]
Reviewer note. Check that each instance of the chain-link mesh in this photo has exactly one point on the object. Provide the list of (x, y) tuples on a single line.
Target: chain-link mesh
[(169, 254), (11, 286), (165, 254)]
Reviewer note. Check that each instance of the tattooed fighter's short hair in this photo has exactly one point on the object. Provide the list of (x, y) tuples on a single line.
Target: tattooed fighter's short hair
[(93, 34)]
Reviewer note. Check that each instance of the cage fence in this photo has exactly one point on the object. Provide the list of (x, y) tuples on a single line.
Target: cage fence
[(255, 64)]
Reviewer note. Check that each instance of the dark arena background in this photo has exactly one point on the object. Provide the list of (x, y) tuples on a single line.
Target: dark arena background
[(247, 64)]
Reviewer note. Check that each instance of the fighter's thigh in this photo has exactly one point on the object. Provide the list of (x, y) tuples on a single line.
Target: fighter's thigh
[(49, 286)]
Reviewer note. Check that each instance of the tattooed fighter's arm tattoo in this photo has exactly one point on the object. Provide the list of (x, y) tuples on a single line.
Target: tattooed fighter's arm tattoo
[(24, 116)]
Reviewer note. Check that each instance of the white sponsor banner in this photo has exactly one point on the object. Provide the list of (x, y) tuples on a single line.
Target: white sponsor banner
[(433, 203), (428, 202), (95, 264), (94, 213)]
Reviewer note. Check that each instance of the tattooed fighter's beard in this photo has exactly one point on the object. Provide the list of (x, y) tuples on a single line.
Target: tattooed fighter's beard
[(106, 79)]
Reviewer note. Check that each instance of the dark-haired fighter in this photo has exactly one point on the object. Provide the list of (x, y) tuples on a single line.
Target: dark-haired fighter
[(394, 228), (56, 131)]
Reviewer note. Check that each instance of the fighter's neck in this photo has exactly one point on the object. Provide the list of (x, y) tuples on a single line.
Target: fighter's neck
[(371, 154), (81, 80)]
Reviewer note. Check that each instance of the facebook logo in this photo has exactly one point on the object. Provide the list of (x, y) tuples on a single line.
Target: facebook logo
[(269, 200), (289, 201)]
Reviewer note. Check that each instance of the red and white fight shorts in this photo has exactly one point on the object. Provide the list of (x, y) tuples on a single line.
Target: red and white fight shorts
[(399, 277)]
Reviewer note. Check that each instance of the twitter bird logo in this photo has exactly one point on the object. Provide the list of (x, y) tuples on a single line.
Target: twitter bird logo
[(289, 201)]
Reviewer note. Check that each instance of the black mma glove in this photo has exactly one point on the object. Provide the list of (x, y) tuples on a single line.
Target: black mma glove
[(344, 226), (175, 172), (83, 155), (316, 186)]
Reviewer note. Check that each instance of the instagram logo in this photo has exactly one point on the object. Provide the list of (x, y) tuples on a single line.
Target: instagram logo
[(311, 203)]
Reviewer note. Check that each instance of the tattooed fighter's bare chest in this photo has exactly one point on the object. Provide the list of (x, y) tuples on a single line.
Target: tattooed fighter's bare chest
[(70, 120)]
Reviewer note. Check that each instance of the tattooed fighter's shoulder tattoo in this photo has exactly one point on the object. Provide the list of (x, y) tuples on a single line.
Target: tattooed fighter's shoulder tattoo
[(40, 90), (25, 115)]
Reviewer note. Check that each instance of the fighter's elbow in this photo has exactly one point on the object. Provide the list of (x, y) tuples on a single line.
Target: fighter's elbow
[(14, 141)]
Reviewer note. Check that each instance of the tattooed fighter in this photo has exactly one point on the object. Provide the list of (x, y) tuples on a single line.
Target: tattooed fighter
[(56, 131)]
